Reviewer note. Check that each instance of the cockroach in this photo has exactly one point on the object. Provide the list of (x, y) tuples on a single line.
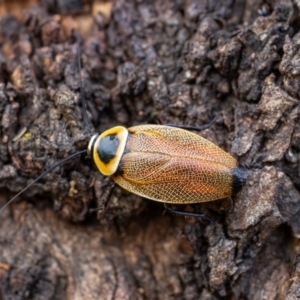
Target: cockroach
[(164, 163)]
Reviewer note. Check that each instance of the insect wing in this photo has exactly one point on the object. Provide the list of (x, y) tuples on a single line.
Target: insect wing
[(176, 142), (169, 165)]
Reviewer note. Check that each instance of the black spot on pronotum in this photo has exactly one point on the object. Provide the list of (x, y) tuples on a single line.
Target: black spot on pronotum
[(108, 147), (239, 175)]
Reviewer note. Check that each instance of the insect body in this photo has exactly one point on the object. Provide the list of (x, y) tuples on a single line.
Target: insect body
[(166, 164)]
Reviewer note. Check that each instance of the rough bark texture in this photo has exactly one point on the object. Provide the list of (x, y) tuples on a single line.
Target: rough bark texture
[(163, 61)]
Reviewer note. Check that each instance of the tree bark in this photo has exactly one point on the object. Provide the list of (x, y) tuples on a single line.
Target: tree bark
[(181, 62)]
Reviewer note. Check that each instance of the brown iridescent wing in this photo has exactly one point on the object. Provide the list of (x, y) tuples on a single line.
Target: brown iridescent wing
[(172, 165), (176, 142)]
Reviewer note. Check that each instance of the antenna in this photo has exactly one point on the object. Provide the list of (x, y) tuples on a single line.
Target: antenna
[(85, 117), (42, 175), (82, 98)]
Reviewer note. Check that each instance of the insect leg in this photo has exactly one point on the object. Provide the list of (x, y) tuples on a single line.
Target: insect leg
[(107, 198), (188, 214), (197, 128)]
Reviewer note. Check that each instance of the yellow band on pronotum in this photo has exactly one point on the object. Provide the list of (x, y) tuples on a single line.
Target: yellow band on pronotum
[(111, 167)]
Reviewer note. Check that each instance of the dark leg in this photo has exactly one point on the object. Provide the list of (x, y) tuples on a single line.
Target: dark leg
[(106, 200), (188, 214), (197, 128)]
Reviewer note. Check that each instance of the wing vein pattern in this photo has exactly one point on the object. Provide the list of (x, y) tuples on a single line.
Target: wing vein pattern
[(173, 165)]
